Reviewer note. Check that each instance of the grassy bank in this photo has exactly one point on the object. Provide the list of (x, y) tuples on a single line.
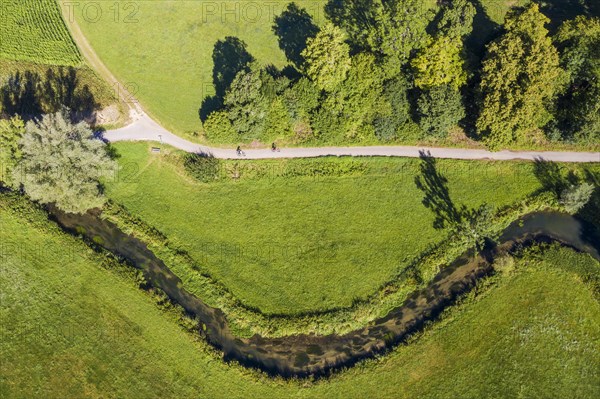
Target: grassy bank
[(72, 328), (287, 245)]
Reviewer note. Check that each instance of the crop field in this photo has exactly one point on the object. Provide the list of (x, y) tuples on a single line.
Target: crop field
[(68, 325), (288, 245), (33, 30)]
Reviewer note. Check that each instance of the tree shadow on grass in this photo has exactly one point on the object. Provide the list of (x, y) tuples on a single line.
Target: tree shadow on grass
[(30, 95), (437, 195), (230, 57), (552, 176), (293, 28)]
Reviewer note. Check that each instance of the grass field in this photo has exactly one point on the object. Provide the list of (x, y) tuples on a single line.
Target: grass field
[(171, 69), (287, 245), (33, 30), (70, 328)]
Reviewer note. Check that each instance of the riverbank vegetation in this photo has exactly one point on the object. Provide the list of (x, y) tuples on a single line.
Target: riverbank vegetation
[(55, 161), (79, 313), (235, 230), (276, 235)]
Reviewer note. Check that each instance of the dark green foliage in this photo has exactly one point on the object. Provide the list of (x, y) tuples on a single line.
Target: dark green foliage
[(359, 98), (302, 98), (249, 100), (203, 167), (277, 123), (389, 29), (398, 31), (520, 78), (578, 108), (395, 94), (456, 19), (362, 75), (440, 108), (218, 128)]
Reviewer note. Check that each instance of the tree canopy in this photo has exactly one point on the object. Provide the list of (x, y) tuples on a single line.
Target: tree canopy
[(397, 70), (578, 110), (520, 77), (63, 163), (11, 131), (440, 63), (327, 58)]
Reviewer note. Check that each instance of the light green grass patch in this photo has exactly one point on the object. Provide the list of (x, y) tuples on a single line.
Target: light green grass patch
[(165, 47), (302, 244)]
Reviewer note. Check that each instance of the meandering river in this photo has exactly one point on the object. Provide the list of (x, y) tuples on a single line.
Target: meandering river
[(304, 355)]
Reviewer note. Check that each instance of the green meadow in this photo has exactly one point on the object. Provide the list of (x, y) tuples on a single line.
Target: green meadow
[(289, 245), (70, 319)]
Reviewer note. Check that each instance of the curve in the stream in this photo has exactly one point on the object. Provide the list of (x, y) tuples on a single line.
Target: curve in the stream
[(304, 355)]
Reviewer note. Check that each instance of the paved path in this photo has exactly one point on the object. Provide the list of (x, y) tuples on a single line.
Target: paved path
[(145, 129)]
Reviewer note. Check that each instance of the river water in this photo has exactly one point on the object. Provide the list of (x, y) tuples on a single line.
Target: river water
[(304, 355)]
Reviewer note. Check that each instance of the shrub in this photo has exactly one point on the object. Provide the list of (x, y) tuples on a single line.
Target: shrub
[(218, 128), (575, 197)]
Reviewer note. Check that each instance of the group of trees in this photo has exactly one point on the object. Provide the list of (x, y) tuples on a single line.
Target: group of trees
[(396, 70)]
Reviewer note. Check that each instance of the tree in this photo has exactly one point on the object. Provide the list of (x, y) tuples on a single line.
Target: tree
[(11, 131), (391, 30), (230, 57), (356, 18), (520, 79), (440, 108), (440, 63), (277, 123), (360, 95), (387, 124), (456, 19), (399, 29), (578, 110), (247, 101), (471, 225), (302, 98), (575, 197), (63, 164), (476, 224), (327, 58)]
